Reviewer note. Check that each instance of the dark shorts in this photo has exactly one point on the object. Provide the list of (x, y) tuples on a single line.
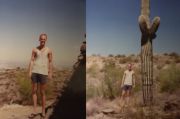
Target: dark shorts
[(39, 78), (127, 87)]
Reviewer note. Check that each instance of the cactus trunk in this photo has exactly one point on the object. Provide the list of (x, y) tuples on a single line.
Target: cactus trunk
[(148, 34)]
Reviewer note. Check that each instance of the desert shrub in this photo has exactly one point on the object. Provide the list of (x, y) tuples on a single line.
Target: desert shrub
[(136, 60), (123, 55), (169, 79), (165, 54), (129, 59), (167, 61), (110, 87), (137, 71), (99, 55), (160, 66), (174, 54), (177, 60), (118, 56), (92, 70), (132, 55), (110, 55), (25, 87), (92, 91), (124, 60)]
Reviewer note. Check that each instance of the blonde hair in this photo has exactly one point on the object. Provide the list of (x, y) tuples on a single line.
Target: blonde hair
[(43, 34)]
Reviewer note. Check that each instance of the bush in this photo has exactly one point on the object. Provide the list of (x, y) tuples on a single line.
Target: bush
[(169, 79), (137, 79), (160, 66), (92, 91), (136, 60), (25, 87), (110, 55), (118, 56), (92, 71), (174, 54), (124, 60), (177, 60), (165, 54), (167, 61), (110, 87)]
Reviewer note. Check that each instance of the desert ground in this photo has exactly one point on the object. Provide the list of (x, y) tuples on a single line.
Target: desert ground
[(15, 91), (103, 91)]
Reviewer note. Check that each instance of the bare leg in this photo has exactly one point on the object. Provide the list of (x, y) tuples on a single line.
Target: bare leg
[(122, 99), (127, 97), (43, 97), (34, 96)]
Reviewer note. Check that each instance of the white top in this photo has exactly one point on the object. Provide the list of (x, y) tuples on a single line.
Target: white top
[(40, 65), (128, 77)]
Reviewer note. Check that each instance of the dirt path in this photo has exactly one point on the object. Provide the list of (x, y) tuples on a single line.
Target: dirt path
[(16, 111)]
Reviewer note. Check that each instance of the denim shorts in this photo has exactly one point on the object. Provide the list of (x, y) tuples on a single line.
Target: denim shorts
[(39, 78), (127, 87)]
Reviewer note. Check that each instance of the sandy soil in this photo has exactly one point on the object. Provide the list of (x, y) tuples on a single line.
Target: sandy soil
[(16, 111)]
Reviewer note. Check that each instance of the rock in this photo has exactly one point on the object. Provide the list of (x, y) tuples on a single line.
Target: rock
[(107, 111)]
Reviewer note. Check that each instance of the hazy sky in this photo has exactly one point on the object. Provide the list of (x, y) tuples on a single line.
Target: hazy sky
[(21, 22), (112, 26)]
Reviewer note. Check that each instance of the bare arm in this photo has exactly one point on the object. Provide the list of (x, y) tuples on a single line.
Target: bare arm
[(50, 64), (134, 81), (31, 63), (122, 83)]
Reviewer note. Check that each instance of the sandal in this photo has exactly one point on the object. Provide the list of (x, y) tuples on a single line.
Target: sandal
[(32, 115), (43, 116)]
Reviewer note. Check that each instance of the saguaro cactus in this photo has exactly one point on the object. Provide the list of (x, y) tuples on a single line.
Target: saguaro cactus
[(148, 31)]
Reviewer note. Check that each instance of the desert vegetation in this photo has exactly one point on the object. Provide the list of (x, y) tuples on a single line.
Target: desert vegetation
[(19, 85), (104, 75)]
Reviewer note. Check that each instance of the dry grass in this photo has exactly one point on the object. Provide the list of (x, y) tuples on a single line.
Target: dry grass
[(111, 84), (24, 84), (92, 71), (169, 79)]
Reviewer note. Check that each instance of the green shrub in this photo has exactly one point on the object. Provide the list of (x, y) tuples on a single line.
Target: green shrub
[(177, 60), (160, 66), (124, 60), (118, 56), (136, 60), (92, 71), (110, 87), (167, 61), (92, 91), (24, 84), (110, 55), (174, 54), (138, 86), (165, 54), (169, 79)]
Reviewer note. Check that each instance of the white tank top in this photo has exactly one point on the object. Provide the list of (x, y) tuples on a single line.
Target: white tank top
[(40, 65), (128, 77)]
